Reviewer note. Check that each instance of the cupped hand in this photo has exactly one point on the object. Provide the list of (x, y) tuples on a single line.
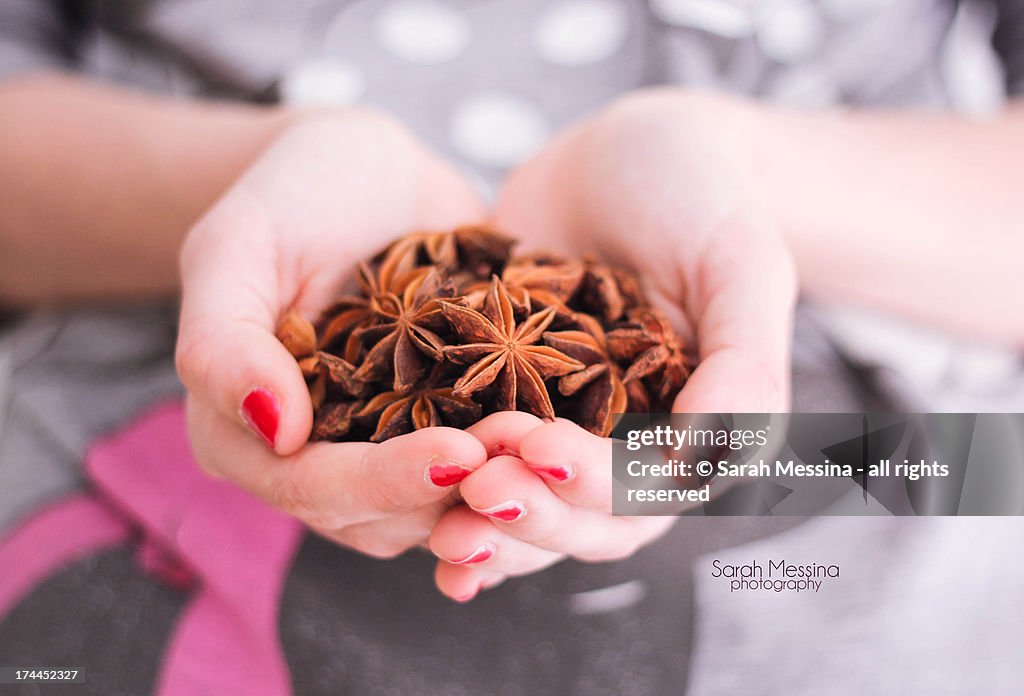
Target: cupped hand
[(333, 189), (659, 182)]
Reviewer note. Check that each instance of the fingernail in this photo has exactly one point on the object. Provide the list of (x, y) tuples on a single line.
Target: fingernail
[(262, 412), (481, 554), (509, 511), (555, 473), (444, 472)]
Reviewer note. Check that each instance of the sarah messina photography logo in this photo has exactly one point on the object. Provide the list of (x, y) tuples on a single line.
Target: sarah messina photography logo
[(774, 575)]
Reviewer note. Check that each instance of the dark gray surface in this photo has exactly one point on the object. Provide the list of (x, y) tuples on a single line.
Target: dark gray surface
[(101, 616)]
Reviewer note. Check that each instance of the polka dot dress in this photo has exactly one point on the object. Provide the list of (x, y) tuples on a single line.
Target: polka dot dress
[(488, 82)]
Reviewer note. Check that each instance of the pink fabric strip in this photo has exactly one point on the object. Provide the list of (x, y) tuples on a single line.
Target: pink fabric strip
[(61, 534), (226, 641)]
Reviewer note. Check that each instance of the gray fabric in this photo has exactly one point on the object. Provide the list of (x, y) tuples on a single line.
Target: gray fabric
[(1009, 42), (71, 377), (922, 606), (34, 35)]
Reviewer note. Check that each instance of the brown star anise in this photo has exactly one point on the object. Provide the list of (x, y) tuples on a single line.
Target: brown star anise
[(608, 292), (447, 326), (599, 385), (431, 403), (550, 280), (482, 249), (653, 350), (477, 249), (299, 337), (504, 352), (334, 421), (407, 333)]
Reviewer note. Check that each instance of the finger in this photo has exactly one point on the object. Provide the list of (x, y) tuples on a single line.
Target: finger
[(390, 537), (463, 584), (500, 433), (745, 299), (524, 508), (227, 353), (464, 538), (576, 464), (333, 485)]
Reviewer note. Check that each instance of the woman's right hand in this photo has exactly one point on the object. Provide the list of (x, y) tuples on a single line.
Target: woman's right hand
[(331, 190)]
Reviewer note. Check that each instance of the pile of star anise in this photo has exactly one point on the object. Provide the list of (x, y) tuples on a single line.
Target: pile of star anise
[(448, 327)]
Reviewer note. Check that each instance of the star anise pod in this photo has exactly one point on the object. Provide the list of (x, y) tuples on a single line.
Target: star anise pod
[(422, 249), (598, 388), (349, 313), (653, 350), (550, 280), (536, 280), (475, 249), (341, 320), (334, 421), (505, 353), (299, 337), (608, 292), (431, 403), (396, 267), (482, 249), (340, 376), (406, 334)]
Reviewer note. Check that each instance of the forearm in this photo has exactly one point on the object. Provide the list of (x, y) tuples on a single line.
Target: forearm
[(99, 185), (913, 212)]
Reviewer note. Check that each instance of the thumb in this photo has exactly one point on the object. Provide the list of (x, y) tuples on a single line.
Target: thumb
[(227, 354), (743, 306)]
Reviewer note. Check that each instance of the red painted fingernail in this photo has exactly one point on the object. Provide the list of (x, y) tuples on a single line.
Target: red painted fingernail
[(444, 472), (555, 473), (509, 511), (481, 554), (262, 412)]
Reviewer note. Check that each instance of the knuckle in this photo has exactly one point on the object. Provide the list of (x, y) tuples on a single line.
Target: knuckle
[(389, 498), (384, 493), (209, 467), (295, 499), (195, 353), (190, 360), (371, 543)]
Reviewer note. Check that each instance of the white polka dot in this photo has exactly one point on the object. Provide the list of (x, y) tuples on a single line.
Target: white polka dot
[(323, 82), (789, 31), (578, 32), (497, 130), (726, 18), (422, 31)]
